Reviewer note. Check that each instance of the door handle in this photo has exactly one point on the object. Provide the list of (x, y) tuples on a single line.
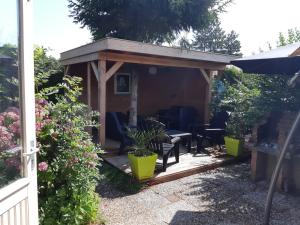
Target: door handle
[(31, 153)]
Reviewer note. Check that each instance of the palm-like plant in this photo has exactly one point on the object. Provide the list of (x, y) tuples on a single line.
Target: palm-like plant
[(142, 139)]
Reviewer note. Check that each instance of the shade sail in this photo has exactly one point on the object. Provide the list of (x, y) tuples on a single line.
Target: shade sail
[(285, 66), (284, 60)]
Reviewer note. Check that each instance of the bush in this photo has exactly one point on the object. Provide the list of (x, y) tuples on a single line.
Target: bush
[(67, 168), (249, 97), (10, 132), (9, 89)]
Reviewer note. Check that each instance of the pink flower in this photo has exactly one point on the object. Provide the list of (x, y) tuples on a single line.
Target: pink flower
[(15, 128), (11, 116), (41, 102), (6, 138), (41, 114), (1, 120), (43, 166), (38, 127)]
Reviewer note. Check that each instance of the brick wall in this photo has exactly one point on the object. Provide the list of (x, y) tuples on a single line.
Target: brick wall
[(284, 126)]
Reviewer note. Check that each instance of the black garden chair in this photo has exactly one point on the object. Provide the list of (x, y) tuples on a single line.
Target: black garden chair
[(214, 132), (116, 129), (163, 146)]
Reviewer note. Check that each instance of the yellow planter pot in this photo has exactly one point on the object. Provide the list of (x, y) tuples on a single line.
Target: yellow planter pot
[(234, 147), (142, 167)]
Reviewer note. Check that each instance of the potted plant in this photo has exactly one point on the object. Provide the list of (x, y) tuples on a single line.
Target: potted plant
[(141, 159), (235, 131)]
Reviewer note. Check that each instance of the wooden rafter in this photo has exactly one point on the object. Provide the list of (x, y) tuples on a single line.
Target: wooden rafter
[(95, 70), (151, 60), (113, 70), (66, 70), (205, 75)]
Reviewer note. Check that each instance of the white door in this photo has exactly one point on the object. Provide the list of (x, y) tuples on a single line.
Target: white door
[(18, 180)]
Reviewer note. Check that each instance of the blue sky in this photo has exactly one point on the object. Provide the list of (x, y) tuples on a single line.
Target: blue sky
[(256, 21)]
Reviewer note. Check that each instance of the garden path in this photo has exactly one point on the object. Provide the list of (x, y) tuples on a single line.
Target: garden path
[(224, 196)]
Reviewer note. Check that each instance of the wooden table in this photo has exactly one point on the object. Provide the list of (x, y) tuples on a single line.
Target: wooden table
[(183, 135)]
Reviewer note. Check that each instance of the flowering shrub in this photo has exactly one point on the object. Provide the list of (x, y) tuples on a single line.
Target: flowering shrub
[(10, 132), (67, 168), (9, 128)]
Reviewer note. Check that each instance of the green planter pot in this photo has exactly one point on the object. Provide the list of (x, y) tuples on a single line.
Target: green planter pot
[(234, 147), (142, 167)]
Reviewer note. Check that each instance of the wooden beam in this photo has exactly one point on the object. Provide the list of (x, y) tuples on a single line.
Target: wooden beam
[(80, 59), (205, 75), (95, 69), (89, 88), (89, 91), (113, 70), (133, 99), (207, 95), (102, 99), (295, 53), (66, 70), (160, 61)]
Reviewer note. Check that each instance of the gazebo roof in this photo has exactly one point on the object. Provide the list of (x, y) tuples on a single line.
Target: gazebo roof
[(283, 60), (91, 51)]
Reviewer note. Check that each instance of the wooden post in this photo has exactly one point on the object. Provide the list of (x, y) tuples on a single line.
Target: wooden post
[(207, 77), (89, 129), (208, 99), (89, 88), (102, 99), (133, 99), (258, 165), (66, 69)]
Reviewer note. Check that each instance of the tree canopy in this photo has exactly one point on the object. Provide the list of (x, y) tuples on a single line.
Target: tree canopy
[(8, 76), (293, 35), (213, 39), (154, 21)]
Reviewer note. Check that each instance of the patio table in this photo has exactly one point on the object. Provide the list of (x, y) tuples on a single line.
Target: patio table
[(183, 135)]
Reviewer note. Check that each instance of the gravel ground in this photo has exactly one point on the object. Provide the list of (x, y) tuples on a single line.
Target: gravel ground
[(224, 196)]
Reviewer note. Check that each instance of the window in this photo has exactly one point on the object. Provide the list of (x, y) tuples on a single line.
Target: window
[(122, 83), (10, 118)]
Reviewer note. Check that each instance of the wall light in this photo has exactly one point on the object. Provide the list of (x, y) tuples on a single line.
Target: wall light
[(152, 70)]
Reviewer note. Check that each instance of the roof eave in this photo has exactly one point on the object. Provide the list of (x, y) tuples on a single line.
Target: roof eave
[(114, 44)]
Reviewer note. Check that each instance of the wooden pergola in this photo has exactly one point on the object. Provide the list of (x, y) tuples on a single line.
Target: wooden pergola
[(119, 52)]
